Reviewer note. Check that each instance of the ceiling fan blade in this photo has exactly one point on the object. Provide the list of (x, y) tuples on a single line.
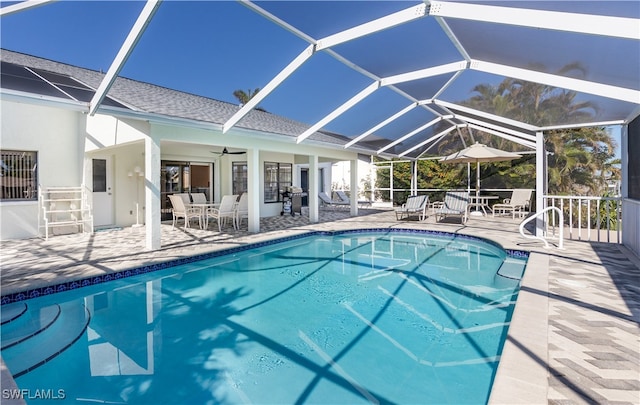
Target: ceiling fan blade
[(225, 151)]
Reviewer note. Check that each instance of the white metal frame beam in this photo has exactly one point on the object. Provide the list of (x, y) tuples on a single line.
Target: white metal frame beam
[(387, 81), (424, 73), (130, 42), (496, 127), (380, 24), (583, 125), (433, 138), (338, 111), (381, 124), (511, 138), (271, 86), (620, 27), (373, 26), (21, 6), (563, 82), (496, 118), (410, 134)]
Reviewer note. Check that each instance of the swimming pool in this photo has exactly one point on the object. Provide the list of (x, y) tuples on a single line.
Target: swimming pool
[(351, 317)]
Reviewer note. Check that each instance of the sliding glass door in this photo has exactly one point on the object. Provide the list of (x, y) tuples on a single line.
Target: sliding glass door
[(183, 177)]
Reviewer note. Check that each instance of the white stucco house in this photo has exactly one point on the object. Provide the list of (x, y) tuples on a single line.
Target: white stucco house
[(143, 143)]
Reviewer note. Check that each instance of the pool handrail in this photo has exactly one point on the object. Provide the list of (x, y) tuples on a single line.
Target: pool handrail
[(536, 215)]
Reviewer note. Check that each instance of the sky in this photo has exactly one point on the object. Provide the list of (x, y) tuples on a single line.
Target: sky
[(212, 48)]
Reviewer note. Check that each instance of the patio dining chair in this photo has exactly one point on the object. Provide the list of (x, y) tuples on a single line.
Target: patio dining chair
[(455, 203), (519, 202), (415, 204), (225, 211), (199, 198), (241, 210), (180, 210), (184, 196)]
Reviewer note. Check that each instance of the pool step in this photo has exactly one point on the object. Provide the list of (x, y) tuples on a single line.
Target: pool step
[(512, 268), (29, 324), (11, 312), (33, 343)]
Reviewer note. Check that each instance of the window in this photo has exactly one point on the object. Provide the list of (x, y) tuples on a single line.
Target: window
[(239, 177), (99, 175), (277, 177), (18, 175)]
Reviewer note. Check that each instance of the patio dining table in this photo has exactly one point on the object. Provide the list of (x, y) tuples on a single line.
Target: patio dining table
[(481, 202), (202, 207)]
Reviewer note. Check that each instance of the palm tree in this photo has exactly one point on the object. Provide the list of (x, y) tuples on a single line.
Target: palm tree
[(578, 163), (244, 97)]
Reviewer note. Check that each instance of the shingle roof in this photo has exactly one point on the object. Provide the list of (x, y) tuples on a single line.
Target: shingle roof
[(149, 98)]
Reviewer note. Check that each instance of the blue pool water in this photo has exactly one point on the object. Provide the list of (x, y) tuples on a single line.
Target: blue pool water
[(341, 319)]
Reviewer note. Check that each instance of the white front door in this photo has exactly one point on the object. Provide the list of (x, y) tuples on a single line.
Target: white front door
[(102, 187)]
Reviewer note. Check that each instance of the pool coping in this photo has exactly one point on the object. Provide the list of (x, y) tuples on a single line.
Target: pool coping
[(522, 374)]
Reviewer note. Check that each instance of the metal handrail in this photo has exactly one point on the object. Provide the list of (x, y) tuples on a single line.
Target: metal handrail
[(531, 218)]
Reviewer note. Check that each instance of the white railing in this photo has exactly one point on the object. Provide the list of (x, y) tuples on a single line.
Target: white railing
[(535, 216), (587, 218)]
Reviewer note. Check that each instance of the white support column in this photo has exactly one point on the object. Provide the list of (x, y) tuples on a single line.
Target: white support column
[(354, 187), (541, 182), (253, 188), (314, 181), (391, 183), (414, 177), (152, 153)]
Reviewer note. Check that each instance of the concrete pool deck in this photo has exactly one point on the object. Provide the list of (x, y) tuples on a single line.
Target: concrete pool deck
[(574, 337)]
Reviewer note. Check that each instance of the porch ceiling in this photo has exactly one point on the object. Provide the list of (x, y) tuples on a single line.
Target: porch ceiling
[(398, 76)]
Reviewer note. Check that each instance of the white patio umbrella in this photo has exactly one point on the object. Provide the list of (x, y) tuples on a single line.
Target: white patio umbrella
[(479, 153)]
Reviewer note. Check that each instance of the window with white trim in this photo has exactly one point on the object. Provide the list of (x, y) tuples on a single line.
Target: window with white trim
[(277, 177), (18, 175), (239, 177)]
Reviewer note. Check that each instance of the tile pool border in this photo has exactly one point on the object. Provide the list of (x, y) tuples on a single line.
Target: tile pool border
[(149, 268)]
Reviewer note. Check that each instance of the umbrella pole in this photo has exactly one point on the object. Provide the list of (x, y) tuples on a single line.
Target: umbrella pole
[(477, 202), (478, 180), (468, 177)]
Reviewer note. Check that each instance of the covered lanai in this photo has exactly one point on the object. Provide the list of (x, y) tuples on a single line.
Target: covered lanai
[(399, 77)]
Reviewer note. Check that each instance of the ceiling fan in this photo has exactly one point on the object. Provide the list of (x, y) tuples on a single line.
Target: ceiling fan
[(225, 151)]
